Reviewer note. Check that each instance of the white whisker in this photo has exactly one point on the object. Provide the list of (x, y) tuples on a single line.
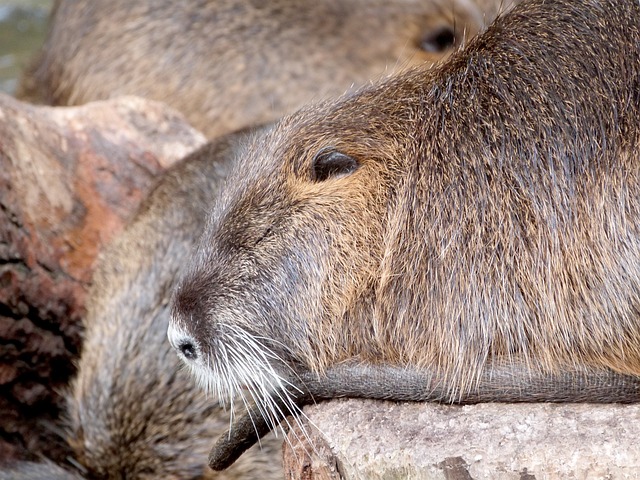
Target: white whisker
[(244, 369)]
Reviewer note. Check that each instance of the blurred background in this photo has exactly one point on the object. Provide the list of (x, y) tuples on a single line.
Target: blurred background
[(22, 30)]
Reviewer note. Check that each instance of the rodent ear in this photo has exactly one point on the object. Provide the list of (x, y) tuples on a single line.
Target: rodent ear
[(439, 40), (330, 163)]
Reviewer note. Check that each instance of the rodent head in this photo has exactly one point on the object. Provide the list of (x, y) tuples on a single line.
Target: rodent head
[(291, 249)]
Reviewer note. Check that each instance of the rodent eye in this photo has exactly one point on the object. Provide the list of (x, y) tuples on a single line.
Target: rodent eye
[(438, 41), (330, 163)]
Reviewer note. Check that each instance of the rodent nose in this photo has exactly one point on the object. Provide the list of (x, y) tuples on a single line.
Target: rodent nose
[(188, 349), (182, 342)]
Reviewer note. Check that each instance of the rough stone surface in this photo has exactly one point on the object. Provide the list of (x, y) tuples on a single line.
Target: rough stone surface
[(69, 178), (382, 440)]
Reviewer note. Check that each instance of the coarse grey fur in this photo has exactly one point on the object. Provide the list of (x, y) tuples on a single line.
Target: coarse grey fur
[(45, 470), (464, 234)]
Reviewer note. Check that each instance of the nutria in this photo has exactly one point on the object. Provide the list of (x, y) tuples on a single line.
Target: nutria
[(467, 233), (133, 411), (231, 64)]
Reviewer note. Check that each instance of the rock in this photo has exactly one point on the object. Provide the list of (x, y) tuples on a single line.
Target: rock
[(365, 439), (69, 179)]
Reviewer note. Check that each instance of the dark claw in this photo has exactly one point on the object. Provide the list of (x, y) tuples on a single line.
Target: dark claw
[(246, 431)]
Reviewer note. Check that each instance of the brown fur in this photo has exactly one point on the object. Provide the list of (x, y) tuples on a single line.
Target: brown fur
[(474, 236), (231, 64)]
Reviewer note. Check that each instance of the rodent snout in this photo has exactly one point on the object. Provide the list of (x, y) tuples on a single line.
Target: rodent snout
[(184, 344)]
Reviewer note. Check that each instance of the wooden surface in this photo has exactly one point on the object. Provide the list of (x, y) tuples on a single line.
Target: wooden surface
[(360, 439)]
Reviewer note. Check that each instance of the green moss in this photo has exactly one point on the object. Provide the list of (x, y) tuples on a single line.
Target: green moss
[(22, 31)]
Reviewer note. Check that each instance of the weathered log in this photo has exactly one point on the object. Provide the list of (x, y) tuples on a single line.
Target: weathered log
[(69, 178), (365, 439)]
